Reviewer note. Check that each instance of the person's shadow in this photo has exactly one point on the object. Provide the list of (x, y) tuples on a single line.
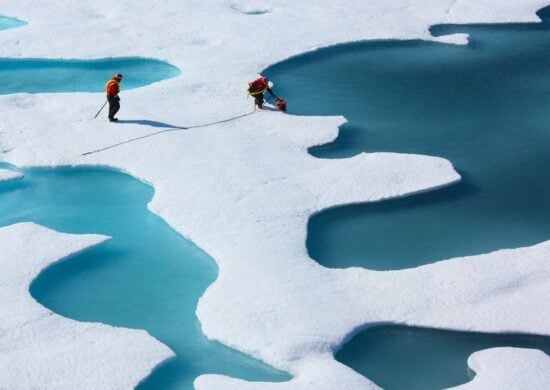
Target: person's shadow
[(146, 122)]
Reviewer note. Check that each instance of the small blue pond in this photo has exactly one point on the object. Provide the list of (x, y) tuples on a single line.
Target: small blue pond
[(43, 76), (485, 107), (400, 357), (6, 22), (146, 277)]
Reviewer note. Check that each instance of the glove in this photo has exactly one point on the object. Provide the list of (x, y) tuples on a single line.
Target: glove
[(117, 98)]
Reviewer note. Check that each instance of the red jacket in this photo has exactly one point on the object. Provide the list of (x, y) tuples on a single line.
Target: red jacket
[(258, 86), (113, 86)]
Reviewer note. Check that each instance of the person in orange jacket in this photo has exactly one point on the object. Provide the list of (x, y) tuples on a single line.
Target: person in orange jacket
[(113, 88)]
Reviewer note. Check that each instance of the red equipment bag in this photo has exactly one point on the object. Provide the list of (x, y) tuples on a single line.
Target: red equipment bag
[(281, 104)]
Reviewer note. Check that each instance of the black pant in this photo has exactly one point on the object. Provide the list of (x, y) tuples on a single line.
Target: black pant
[(114, 105), (259, 100), (260, 97)]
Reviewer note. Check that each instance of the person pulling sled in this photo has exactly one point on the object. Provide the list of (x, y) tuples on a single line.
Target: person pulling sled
[(258, 87)]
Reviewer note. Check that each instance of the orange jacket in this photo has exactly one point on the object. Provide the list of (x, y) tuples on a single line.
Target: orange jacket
[(113, 86)]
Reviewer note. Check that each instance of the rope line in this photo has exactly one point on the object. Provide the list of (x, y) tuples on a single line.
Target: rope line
[(175, 128)]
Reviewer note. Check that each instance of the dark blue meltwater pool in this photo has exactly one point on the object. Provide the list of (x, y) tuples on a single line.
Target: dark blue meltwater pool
[(484, 106)]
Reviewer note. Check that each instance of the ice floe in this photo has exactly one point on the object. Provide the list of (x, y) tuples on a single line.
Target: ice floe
[(242, 190), (8, 175)]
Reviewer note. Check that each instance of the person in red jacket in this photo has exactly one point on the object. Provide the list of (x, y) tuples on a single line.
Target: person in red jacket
[(257, 88), (113, 88)]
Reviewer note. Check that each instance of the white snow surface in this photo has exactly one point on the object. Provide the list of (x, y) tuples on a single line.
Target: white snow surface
[(9, 175), (509, 368), (40, 349), (243, 190)]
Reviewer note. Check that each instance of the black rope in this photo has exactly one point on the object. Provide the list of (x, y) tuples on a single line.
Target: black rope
[(167, 130)]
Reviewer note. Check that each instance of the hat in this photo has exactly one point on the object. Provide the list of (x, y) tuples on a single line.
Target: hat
[(118, 75)]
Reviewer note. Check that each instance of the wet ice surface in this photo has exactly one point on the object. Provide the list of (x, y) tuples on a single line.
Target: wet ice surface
[(6, 23), (8, 175)]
